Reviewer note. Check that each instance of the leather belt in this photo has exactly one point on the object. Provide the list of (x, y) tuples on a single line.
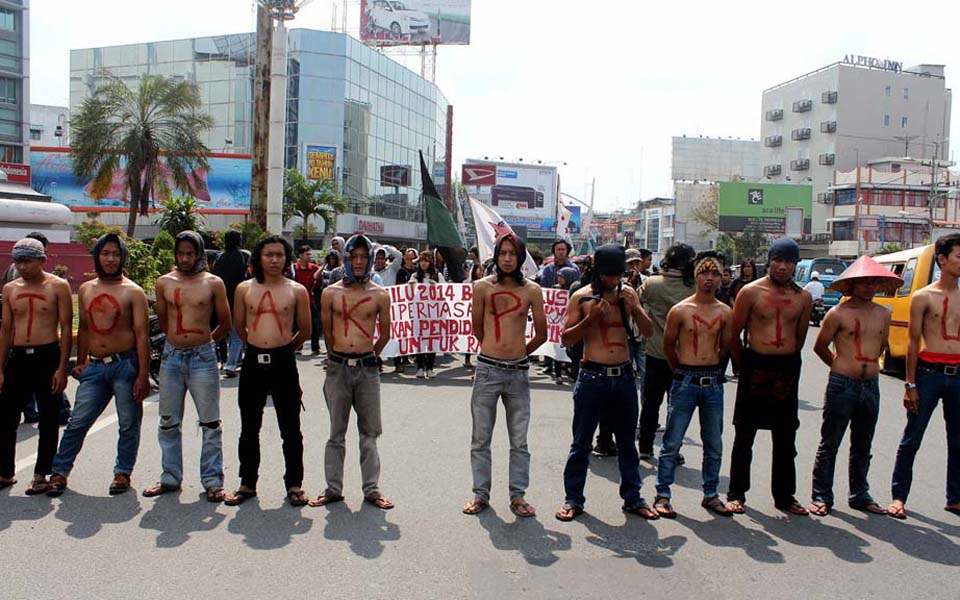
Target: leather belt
[(523, 365), (941, 368), (112, 358), (607, 370), (369, 360)]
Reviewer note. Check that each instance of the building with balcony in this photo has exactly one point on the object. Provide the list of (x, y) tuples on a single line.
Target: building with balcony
[(899, 201), (846, 114), (14, 81)]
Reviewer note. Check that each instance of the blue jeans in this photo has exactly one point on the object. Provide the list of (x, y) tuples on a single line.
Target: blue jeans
[(686, 395), (932, 385), (234, 350), (854, 403), (98, 383), (593, 395), (193, 370)]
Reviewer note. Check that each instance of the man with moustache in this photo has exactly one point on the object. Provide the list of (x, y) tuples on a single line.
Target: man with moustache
[(186, 299), (113, 360)]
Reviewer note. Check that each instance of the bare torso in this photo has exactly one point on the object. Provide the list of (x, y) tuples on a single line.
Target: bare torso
[(352, 311), (270, 311), (941, 320), (606, 341), (701, 329), (775, 315), (35, 307), (107, 307), (504, 308), (860, 337), (188, 303)]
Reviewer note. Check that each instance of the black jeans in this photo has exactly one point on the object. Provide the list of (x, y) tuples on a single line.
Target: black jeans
[(854, 403), (314, 328), (425, 361), (656, 383), (270, 371), (28, 375), (783, 470)]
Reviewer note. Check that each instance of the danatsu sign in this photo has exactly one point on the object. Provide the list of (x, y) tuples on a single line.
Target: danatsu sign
[(874, 63), (479, 175), (366, 226)]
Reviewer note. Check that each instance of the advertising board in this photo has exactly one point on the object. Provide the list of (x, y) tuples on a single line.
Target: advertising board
[(395, 175), (762, 207), (414, 22), (524, 195), (320, 162), (225, 188), (15, 172)]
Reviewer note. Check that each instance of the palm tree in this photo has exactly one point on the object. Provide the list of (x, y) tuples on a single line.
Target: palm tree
[(304, 199), (119, 126)]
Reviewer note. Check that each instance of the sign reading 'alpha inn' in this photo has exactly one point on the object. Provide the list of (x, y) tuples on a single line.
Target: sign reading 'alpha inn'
[(874, 63)]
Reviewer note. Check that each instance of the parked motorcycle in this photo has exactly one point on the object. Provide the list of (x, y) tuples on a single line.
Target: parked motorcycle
[(818, 313)]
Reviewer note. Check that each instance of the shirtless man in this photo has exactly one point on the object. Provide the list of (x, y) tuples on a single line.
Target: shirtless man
[(695, 341), (775, 313), (350, 310), (35, 346), (606, 382), (113, 359), (933, 372), (186, 300), (264, 311), (501, 303), (858, 330)]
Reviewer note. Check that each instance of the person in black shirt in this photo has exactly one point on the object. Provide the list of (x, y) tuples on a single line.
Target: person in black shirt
[(231, 267)]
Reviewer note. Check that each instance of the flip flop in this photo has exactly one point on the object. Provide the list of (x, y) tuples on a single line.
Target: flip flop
[(873, 508), (297, 498), (568, 512), (952, 509), (897, 512), (716, 506), (737, 507), (522, 508), (477, 506), (158, 490), (818, 508), (216, 494), (664, 508), (38, 487), (795, 508), (8, 483), (641, 509), (324, 499), (379, 500), (239, 497)]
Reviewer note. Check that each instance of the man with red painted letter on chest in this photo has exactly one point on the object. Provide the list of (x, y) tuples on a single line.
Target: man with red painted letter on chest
[(775, 313)]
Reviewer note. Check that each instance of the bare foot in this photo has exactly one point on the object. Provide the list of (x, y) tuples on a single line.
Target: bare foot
[(897, 510), (477, 506)]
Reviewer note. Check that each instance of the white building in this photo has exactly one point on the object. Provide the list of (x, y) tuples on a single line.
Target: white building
[(849, 113), (14, 81), (698, 165), (49, 126), (656, 229)]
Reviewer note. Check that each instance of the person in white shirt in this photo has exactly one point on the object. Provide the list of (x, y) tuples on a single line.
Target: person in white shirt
[(387, 262), (815, 287)]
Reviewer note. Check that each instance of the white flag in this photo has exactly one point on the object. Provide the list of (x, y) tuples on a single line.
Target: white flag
[(491, 227), (563, 221)]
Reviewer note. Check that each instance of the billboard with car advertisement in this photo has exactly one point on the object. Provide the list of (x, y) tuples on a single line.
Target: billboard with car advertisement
[(414, 22), (524, 195), (225, 188), (762, 207)]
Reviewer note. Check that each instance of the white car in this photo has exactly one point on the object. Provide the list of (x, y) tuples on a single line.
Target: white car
[(397, 18)]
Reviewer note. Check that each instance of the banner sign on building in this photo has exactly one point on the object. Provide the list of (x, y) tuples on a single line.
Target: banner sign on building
[(414, 22), (524, 195), (321, 162), (225, 188), (395, 175), (762, 207), (16, 173), (439, 318)]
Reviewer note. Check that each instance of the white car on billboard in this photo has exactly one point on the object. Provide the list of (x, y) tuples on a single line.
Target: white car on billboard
[(396, 18)]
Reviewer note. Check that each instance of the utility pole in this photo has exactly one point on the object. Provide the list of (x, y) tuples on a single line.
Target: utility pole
[(261, 118)]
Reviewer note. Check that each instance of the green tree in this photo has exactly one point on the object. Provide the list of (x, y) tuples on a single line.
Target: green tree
[(304, 199), (162, 249), (250, 232), (180, 213), (91, 228), (119, 126)]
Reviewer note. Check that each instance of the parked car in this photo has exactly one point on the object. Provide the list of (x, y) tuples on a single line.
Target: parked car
[(918, 268), (829, 269), (397, 18)]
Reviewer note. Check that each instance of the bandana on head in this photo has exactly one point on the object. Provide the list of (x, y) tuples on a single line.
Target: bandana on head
[(353, 242), (200, 265), (706, 264), (28, 248)]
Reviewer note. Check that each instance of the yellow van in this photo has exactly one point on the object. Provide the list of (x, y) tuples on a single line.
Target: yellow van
[(918, 269)]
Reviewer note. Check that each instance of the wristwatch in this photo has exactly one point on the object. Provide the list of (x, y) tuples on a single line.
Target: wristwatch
[(909, 386)]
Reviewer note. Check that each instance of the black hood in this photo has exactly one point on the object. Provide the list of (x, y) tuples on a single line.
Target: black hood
[(103, 241), (194, 238), (610, 259), (521, 247)]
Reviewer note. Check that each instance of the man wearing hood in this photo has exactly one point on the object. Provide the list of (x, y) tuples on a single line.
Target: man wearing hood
[(599, 314), (387, 262), (35, 347), (501, 304), (775, 313), (350, 310), (186, 300), (264, 312), (113, 360)]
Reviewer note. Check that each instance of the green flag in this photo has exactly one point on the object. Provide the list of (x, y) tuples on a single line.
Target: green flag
[(441, 229)]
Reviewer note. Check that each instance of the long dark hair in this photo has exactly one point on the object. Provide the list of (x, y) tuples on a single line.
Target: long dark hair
[(679, 258), (753, 269), (521, 249), (432, 271), (258, 250)]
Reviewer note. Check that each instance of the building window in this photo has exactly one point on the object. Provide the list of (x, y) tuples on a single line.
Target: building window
[(887, 91), (906, 93), (843, 230), (35, 134), (8, 20), (8, 90), (11, 154), (886, 120), (903, 122)]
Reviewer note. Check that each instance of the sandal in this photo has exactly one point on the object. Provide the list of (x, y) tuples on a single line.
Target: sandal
[(58, 485), (897, 511), (568, 512), (641, 509), (325, 499), (477, 506), (297, 498), (663, 507), (716, 506), (216, 494), (736, 507), (379, 500), (873, 508), (819, 508), (159, 489), (5, 483), (239, 497), (38, 487), (953, 508), (522, 508), (794, 508)]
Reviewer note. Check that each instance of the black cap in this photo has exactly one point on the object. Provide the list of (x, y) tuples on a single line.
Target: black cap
[(610, 259)]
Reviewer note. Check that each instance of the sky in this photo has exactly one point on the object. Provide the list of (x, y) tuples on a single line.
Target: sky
[(601, 86)]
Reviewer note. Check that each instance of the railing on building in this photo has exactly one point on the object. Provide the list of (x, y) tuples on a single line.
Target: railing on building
[(775, 114), (801, 133), (825, 197), (772, 141), (800, 164), (828, 126), (828, 158), (802, 106), (828, 98), (771, 170)]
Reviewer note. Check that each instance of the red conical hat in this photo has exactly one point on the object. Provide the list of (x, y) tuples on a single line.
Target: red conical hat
[(863, 268)]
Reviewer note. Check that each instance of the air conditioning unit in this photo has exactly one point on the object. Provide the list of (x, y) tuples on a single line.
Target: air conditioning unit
[(775, 114), (800, 164), (802, 106), (828, 126), (828, 159), (772, 170), (828, 98), (772, 141), (825, 197)]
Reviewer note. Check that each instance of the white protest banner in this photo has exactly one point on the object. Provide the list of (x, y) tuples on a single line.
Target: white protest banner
[(439, 318)]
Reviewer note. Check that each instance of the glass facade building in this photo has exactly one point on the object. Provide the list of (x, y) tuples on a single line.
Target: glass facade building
[(340, 93), (14, 88)]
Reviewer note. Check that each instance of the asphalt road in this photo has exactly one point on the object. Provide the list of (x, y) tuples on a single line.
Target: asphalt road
[(87, 544)]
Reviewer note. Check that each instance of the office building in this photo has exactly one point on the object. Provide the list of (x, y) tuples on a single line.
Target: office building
[(14, 81)]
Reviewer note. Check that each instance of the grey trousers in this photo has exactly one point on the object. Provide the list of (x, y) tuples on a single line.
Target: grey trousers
[(357, 388), (490, 384)]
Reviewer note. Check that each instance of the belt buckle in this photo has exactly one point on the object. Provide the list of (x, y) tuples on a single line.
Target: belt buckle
[(264, 359), (107, 359), (354, 362), (706, 381), (29, 351), (950, 369), (614, 371)]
